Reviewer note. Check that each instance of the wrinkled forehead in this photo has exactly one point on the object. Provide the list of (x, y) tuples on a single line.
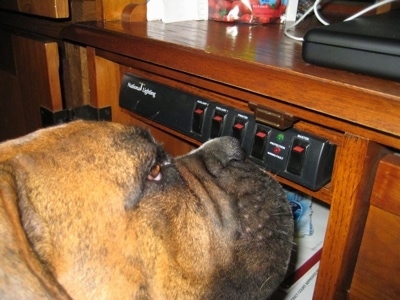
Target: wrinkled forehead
[(99, 138)]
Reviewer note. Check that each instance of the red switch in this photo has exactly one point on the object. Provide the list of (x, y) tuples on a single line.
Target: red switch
[(199, 111), (261, 135), (297, 157), (298, 149), (238, 126), (198, 118), (259, 143), (217, 125), (238, 129), (218, 118)]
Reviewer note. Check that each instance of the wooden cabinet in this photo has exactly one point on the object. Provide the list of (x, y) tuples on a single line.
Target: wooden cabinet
[(29, 75), (378, 263), (259, 65), (37, 69)]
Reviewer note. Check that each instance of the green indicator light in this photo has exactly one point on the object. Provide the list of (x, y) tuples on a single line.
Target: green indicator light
[(280, 137)]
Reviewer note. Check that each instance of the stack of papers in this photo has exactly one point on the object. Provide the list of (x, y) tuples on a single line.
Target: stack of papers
[(300, 282)]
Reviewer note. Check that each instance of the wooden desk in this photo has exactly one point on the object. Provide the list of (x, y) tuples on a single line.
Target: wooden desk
[(235, 65)]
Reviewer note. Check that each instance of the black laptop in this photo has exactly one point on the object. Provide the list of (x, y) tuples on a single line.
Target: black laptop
[(368, 45)]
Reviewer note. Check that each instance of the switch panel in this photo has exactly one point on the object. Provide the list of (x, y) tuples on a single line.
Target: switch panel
[(298, 156)]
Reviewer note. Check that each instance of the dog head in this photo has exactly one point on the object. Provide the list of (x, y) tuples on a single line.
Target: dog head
[(101, 211)]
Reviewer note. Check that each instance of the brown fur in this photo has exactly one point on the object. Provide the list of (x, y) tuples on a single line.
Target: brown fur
[(81, 218)]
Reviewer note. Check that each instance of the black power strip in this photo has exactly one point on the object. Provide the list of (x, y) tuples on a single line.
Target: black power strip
[(298, 156)]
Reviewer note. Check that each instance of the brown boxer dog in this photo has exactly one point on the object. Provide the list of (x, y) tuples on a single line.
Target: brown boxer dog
[(96, 210)]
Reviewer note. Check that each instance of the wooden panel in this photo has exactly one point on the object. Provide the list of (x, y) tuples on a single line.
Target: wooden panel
[(386, 192), (10, 96), (75, 76), (7, 62), (36, 84), (38, 66), (32, 81), (45, 8), (378, 265), (83, 10), (11, 106), (30, 66), (355, 161)]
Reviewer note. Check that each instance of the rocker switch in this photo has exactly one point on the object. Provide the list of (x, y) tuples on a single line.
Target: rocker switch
[(217, 125), (296, 157), (198, 118), (238, 130), (259, 144)]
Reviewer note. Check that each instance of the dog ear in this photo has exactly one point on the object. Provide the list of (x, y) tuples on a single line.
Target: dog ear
[(17, 259), (218, 153)]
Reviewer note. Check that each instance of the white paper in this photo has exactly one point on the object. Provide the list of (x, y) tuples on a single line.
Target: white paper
[(303, 289), (184, 10), (155, 10), (307, 246), (177, 10)]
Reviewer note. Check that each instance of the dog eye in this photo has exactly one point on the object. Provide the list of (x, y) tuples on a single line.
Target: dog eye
[(155, 173)]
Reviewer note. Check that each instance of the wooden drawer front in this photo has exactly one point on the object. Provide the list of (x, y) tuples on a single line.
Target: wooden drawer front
[(378, 265), (386, 191), (45, 8), (377, 270)]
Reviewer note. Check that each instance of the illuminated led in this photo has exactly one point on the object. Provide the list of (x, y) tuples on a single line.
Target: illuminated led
[(280, 137)]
